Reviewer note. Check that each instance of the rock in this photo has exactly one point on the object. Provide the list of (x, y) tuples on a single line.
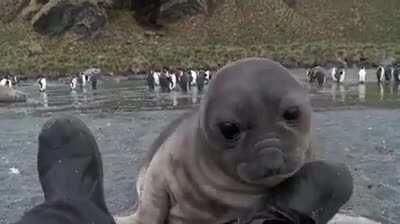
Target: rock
[(156, 13), (9, 95), (345, 219), (33, 7), (85, 18), (176, 9)]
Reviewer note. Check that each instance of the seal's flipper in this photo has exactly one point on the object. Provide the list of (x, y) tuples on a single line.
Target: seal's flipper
[(319, 189)]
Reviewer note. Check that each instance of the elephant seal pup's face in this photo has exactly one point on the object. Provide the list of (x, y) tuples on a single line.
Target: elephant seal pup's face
[(256, 122)]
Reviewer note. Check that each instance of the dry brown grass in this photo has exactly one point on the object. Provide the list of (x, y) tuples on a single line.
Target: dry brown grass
[(320, 31)]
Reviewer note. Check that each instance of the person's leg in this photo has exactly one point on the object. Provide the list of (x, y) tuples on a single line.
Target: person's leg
[(71, 174), (319, 189), (66, 212)]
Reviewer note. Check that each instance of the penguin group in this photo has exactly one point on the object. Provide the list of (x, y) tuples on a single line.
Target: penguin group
[(317, 74), (8, 81), (83, 78), (320, 75), (177, 79), (388, 73)]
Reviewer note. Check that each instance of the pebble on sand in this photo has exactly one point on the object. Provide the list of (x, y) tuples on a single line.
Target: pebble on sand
[(14, 171)]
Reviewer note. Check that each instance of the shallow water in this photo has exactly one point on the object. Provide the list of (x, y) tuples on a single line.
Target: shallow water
[(357, 124)]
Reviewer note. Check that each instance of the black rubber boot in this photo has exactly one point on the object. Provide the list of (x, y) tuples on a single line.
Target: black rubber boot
[(71, 174)]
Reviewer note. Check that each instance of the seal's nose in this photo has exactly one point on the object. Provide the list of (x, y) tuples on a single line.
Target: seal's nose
[(272, 158)]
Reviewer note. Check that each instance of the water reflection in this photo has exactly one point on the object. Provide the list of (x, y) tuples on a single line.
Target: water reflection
[(334, 95), (74, 97), (195, 93), (381, 91), (396, 89), (338, 92), (133, 95), (45, 99), (85, 96), (361, 92), (174, 96), (388, 91)]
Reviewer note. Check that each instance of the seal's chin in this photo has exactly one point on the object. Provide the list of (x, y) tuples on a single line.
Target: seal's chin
[(253, 174)]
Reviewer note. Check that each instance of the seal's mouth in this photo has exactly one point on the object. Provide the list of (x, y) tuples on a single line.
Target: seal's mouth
[(267, 177), (271, 172), (251, 172)]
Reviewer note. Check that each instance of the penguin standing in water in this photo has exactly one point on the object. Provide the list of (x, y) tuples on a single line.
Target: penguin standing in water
[(156, 77), (6, 81), (165, 82), (93, 81), (80, 79), (183, 81), (9, 83), (172, 84), (193, 77), (334, 73), (339, 76), (150, 81), (380, 71), (42, 84), (342, 74), (84, 79), (388, 73), (396, 73), (362, 75), (200, 81), (14, 80), (309, 76), (207, 76), (74, 82)]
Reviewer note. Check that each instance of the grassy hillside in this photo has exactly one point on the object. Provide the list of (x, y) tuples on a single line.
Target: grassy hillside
[(313, 31)]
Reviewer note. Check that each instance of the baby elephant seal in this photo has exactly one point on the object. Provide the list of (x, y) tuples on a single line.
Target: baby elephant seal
[(251, 135)]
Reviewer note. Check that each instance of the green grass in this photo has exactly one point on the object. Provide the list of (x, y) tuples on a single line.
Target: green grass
[(308, 35)]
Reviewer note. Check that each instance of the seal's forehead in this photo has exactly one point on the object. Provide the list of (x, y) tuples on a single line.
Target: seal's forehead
[(255, 74)]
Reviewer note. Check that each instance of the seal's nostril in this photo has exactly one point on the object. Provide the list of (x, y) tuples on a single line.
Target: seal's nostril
[(267, 143)]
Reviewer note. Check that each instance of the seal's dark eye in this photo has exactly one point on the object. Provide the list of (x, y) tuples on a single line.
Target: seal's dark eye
[(229, 130), (292, 114)]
